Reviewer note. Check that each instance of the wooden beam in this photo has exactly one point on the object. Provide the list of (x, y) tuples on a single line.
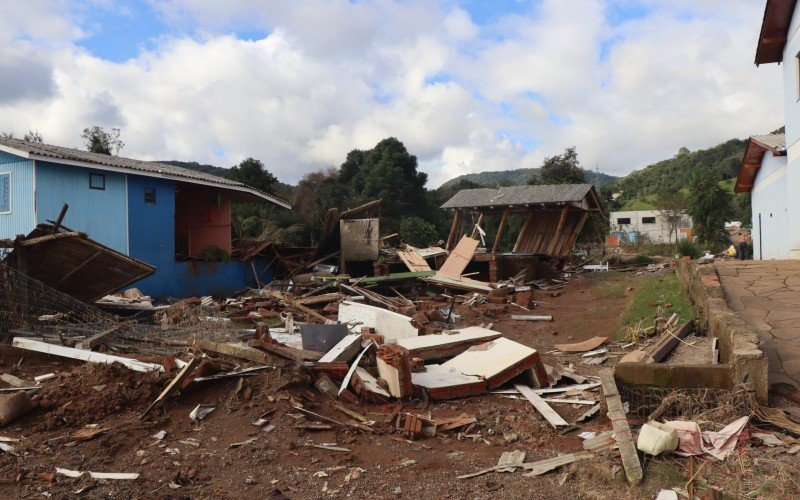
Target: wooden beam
[(60, 218), (298, 355), (236, 351), (454, 229), (46, 238), (559, 229), (79, 354), (668, 340), (548, 413), (523, 232), (78, 268), (475, 229), (500, 227), (622, 430)]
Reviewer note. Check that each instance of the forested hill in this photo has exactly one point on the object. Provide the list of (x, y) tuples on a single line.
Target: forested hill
[(520, 177), (676, 173)]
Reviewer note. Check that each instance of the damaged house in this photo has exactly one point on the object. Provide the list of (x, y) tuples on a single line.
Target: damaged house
[(175, 219), (552, 218)]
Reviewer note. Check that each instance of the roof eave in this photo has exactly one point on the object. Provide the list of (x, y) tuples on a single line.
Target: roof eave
[(97, 166)]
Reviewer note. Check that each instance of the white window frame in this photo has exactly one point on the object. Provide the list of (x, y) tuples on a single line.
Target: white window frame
[(10, 204)]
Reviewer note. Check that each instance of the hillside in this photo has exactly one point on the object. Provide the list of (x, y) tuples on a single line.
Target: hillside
[(519, 177), (676, 173)]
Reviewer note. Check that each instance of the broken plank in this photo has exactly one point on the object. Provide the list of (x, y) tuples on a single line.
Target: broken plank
[(622, 430), (544, 466), (320, 299), (298, 355), (15, 381), (548, 413), (88, 356), (173, 386), (511, 459), (527, 317), (668, 340), (344, 351), (96, 339), (236, 350), (586, 345)]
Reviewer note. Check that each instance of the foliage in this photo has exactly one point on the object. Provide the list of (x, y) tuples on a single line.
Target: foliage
[(710, 207), (518, 177), (561, 169), (686, 248), (253, 173), (642, 260), (101, 141), (417, 232), (654, 289), (213, 253), (33, 136), (672, 205)]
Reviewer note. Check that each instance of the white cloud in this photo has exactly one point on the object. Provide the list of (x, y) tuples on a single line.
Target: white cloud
[(332, 75)]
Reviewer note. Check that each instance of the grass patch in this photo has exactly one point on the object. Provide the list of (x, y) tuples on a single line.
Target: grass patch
[(650, 290), (612, 290)]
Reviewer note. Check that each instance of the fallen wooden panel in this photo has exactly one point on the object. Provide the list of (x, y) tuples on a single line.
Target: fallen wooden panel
[(447, 383), (82, 355), (587, 345), (77, 266), (447, 344), (236, 350), (460, 283), (413, 261), (668, 340), (548, 413), (544, 466), (344, 351), (622, 431), (459, 258), (498, 361), (298, 355), (393, 326)]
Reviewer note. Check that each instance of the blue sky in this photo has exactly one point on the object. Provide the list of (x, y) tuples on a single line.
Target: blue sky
[(467, 85)]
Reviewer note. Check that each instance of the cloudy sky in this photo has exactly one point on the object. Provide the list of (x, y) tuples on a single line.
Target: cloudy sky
[(467, 85)]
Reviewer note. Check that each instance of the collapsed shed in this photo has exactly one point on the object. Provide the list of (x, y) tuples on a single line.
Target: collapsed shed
[(553, 217)]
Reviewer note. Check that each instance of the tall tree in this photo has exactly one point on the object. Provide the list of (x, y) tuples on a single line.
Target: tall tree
[(101, 141), (561, 169), (253, 173), (33, 136), (671, 206), (710, 208), (388, 172)]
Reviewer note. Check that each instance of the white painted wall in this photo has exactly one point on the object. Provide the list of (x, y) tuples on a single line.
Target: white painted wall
[(770, 210), (657, 232), (791, 96)]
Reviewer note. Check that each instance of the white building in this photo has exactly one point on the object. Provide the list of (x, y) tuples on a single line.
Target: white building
[(650, 224), (770, 168)]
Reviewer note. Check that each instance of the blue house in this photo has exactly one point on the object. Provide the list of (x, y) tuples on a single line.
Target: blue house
[(161, 214)]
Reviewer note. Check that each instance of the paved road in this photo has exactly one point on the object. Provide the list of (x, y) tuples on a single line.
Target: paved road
[(766, 294)]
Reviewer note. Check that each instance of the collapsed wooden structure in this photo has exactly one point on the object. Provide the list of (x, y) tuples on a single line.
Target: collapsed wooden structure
[(554, 215)]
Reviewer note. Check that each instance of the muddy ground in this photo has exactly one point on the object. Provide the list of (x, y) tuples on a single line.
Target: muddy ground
[(226, 456)]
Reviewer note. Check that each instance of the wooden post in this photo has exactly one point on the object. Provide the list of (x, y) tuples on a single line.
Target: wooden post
[(500, 227), (559, 229), (474, 234), (454, 229), (523, 231)]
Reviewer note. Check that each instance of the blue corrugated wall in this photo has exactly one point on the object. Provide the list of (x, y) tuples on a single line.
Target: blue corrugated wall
[(102, 214), (152, 240), (22, 218)]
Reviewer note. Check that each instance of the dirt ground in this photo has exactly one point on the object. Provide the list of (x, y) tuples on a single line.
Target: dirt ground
[(226, 456)]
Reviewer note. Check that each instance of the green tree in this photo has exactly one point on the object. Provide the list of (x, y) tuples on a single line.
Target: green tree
[(417, 232), (671, 205), (101, 141), (710, 207), (253, 173), (561, 169), (387, 172)]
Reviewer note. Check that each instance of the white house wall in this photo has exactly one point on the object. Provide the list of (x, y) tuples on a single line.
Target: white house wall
[(791, 96), (770, 210), (657, 233)]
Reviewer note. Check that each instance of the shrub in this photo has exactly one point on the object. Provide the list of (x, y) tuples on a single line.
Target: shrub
[(417, 232), (686, 248), (642, 260), (213, 253)]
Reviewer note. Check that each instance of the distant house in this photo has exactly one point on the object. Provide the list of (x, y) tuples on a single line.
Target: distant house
[(764, 174), (649, 225), (164, 215)]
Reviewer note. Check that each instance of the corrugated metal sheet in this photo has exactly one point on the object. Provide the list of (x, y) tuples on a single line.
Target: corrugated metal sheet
[(21, 219), (61, 153), (774, 142), (519, 195), (102, 214)]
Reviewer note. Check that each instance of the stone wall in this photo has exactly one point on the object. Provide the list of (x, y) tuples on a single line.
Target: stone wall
[(738, 342)]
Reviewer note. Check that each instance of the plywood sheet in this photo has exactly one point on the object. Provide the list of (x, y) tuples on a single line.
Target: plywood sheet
[(459, 258), (413, 260), (359, 239)]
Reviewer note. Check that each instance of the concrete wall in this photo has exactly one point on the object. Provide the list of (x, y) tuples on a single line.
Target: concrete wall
[(657, 232), (770, 214), (22, 217), (738, 342)]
